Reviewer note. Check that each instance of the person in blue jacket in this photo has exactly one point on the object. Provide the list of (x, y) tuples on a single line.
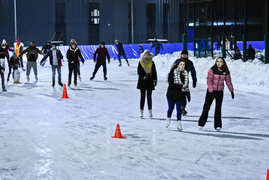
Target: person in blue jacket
[(157, 46), (141, 49), (55, 61)]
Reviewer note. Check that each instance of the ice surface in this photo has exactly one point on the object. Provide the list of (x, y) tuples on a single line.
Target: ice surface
[(45, 137)]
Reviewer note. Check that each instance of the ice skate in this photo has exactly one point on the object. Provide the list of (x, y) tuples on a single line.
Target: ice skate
[(200, 127), (53, 83), (218, 128), (168, 120), (36, 78), (28, 78), (92, 78), (105, 78), (4, 88), (141, 113), (150, 113), (179, 126)]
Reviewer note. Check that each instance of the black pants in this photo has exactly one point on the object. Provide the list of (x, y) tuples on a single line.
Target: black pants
[(2, 77), (72, 67), (9, 72), (78, 70), (218, 95), (97, 66), (124, 55), (21, 62), (143, 97)]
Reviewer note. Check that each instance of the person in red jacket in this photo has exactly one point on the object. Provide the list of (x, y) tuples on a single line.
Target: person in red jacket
[(101, 53), (217, 74)]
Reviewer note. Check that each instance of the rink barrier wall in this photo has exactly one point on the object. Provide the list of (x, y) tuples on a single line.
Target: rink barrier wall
[(131, 50)]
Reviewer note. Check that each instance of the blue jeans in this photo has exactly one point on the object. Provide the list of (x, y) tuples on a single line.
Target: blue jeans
[(53, 68), (171, 106)]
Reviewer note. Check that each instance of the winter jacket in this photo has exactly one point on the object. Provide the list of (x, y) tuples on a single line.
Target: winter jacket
[(146, 81), (46, 48), (215, 80), (2, 53), (18, 48), (140, 50), (120, 47), (157, 45), (73, 55), (174, 91), (189, 68), (50, 55), (14, 62), (7, 48), (31, 50), (101, 53)]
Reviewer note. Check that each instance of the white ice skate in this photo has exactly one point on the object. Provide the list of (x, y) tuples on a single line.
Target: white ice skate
[(141, 113), (179, 126), (218, 128), (150, 113), (168, 120)]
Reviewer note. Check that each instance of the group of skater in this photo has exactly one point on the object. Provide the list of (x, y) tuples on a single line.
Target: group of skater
[(178, 91)]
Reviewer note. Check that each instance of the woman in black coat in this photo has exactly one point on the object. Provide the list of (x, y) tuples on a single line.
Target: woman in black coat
[(147, 80), (73, 54)]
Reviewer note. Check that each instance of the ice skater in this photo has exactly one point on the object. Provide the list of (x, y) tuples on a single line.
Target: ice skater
[(18, 48), (189, 68), (178, 87), (121, 52), (141, 49), (55, 56), (101, 53), (73, 54), (14, 63), (157, 46), (32, 55), (216, 76), (147, 80), (2, 67)]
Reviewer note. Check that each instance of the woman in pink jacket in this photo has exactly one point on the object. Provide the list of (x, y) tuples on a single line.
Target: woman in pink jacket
[(215, 82)]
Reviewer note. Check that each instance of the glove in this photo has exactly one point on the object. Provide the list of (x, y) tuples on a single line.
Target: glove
[(154, 83), (232, 93), (189, 96), (194, 84)]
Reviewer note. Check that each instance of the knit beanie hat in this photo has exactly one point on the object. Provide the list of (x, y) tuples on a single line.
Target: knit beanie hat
[(184, 51)]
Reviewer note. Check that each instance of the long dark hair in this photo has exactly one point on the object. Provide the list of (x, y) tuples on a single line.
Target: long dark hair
[(171, 73), (224, 66)]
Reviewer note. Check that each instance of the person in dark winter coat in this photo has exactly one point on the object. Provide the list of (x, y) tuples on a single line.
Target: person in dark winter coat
[(121, 52), (189, 68), (250, 52), (46, 48), (178, 86), (2, 66), (102, 54), (55, 61), (6, 49), (32, 55), (141, 50), (14, 63), (237, 54), (73, 54), (157, 46), (215, 83), (147, 80)]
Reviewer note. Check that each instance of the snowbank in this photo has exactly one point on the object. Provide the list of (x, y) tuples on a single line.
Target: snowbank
[(253, 76)]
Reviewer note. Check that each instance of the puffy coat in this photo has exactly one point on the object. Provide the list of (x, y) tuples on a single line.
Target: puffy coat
[(146, 81), (30, 50), (50, 55), (101, 54), (215, 80)]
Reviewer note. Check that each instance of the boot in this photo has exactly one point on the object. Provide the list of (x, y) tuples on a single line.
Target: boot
[(53, 83), (75, 83), (92, 78), (60, 83), (105, 78), (179, 126), (28, 78), (183, 111), (200, 127), (218, 128), (168, 120), (120, 64), (36, 78), (150, 113), (69, 83), (141, 113), (4, 88)]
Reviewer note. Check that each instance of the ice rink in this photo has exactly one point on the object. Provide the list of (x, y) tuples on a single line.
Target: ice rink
[(45, 137)]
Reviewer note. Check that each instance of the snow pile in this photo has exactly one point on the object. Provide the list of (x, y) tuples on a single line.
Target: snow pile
[(245, 75)]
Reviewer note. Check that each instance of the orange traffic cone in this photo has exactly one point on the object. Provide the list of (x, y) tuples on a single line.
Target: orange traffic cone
[(118, 133), (267, 175), (61, 62), (65, 93)]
